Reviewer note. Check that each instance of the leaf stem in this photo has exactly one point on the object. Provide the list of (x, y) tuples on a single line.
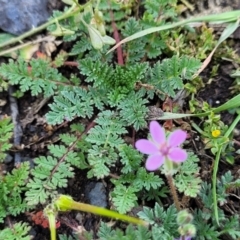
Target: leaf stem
[(173, 191), (215, 168)]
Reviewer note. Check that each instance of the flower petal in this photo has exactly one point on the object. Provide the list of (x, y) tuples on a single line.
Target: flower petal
[(145, 146), (177, 137), (157, 132), (154, 162), (177, 155), (186, 238)]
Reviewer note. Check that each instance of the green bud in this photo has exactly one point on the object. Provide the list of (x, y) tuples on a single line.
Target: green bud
[(108, 40), (184, 217), (97, 40), (95, 37), (64, 203), (187, 230), (101, 29)]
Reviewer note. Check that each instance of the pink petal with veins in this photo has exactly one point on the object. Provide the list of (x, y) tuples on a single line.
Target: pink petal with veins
[(177, 155), (154, 162), (145, 146), (177, 137), (157, 132)]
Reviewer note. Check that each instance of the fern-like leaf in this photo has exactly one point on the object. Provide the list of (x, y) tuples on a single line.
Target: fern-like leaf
[(37, 78), (147, 180), (133, 110), (70, 104), (6, 128), (164, 220), (124, 198), (17, 231), (48, 175), (187, 179), (168, 75), (12, 187), (130, 158)]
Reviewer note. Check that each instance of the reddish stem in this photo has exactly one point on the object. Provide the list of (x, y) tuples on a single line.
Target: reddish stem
[(173, 192), (117, 38), (71, 63)]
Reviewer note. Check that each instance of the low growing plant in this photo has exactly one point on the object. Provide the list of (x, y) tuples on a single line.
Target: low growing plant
[(105, 103)]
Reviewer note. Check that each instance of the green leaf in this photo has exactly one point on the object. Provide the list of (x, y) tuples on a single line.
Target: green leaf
[(147, 180), (133, 110), (100, 158), (108, 131), (69, 104), (168, 76), (37, 78), (232, 227), (6, 129), (12, 187), (124, 198), (165, 221), (48, 176), (217, 18), (130, 158), (187, 179), (18, 231)]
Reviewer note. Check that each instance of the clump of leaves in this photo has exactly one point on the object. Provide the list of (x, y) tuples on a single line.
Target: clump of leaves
[(206, 225), (116, 99), (163, 226), (12, 186), (17, 231), (36, 76), (6, 128), (52, 172)]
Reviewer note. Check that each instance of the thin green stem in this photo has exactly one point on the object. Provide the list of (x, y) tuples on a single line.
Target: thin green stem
[(196, 127), (173, 191), (18, 47), (65, 203), (215, 168)]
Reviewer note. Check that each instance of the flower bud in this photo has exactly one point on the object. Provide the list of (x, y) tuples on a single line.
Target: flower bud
[(108, 40), (97, 40), (95, 37), (184, 217), (187, 230)]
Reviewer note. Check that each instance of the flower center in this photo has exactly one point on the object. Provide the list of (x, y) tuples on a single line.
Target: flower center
[(164, 149)]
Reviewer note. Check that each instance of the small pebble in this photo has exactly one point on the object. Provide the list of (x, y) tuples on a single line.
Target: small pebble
[(95, 192)]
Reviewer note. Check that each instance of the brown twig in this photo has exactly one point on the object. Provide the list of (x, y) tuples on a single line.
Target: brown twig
[(117, 38), (72, 147)]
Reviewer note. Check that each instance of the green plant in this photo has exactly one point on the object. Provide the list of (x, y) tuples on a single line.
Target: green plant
[(111, 99), (6, 128), (12, 186), (53, 171), (18, 231)]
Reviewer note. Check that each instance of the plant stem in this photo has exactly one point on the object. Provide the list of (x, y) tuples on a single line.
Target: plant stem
[(65, 203), (174, 192), (215, 168)]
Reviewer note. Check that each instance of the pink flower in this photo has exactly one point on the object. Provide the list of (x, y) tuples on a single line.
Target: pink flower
[(161, 149)]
